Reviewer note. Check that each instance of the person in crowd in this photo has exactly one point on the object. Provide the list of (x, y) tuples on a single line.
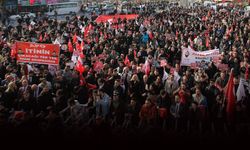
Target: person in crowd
[(121, 76)]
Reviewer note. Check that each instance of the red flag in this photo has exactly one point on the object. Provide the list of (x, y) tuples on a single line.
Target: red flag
[(96, 39), (74, 39), (82, 45), (40, 38), (134, 53), (78, 47), (70, 47), (82, 80), (32, 2), (86, 32), (229, 95), (45, 36), (82, 55), (247, 73), (147, 67), (98, 66), (13, 51), (150, 34), (176, 35), (91, 86), (79, 67), (126, 61), (207, 41), (105, 36), (91, 27), (208, 14)]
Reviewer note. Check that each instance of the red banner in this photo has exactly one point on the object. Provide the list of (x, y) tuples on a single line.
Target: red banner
[(37, 53), (113, 18)]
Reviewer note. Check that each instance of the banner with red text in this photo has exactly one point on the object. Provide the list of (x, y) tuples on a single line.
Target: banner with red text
[(199, 59), (114, 18), (38, 53)]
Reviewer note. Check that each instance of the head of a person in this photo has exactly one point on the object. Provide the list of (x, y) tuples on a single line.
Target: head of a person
[(156, 72), (115, 95), (135, 78), (24, 83), (11, 86), (194, 105), (223, 75), (125, 69), (145, 78), (187, 72), (184, 79), (117, 83), (71, 102), (147, 102), (9, 78), (198, 92), (101, 92), (177, 98), (115, 72), (110, 71), (59, 92), (139, 69), (34, 87), (236, 80), (163, 93), (46, 89), (183, 86), (132, 102), (67, 68), (100, 81)]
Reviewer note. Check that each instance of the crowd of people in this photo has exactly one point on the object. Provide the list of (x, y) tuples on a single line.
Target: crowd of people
[(122, 83)]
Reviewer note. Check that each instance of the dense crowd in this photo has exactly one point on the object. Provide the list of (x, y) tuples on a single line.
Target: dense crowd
[(114, 86)]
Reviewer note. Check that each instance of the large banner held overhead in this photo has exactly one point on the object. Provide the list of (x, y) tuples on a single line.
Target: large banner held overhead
[(199, 59), (38, 53), (113, 18)]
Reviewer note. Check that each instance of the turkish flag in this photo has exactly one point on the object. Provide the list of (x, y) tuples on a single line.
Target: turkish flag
[(70, 47), (32, 2), (40, 38), (78, 47), (98, 66), (147, 67), (86, 32), (207, 41), (135, 53), (74, 39), (13, 51), (45, 36), (176, 35), (230, 97), (126, 61), (79, 67)]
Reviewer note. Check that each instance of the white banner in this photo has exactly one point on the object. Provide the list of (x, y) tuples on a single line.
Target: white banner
[(199, 59)]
